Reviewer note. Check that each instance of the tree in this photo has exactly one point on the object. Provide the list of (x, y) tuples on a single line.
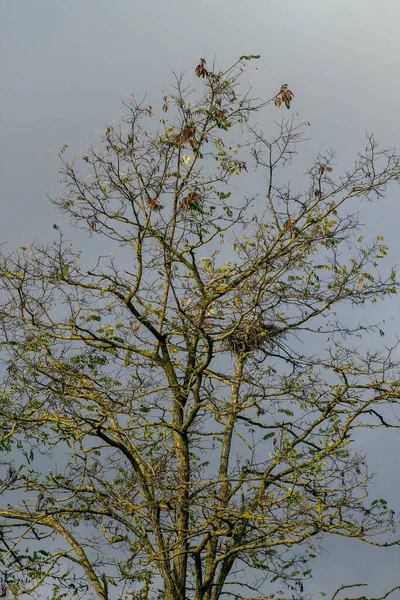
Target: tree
[(178, 419)]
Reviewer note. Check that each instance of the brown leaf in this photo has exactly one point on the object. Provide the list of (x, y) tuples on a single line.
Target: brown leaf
[(200, 70), (154, 204), (288, 225), (241, 164), (287, 95), (150, 112), (187, 134), (190, 200), (284, 96)]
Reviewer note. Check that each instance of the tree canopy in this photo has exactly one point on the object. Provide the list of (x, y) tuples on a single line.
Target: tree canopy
[(178, 416)]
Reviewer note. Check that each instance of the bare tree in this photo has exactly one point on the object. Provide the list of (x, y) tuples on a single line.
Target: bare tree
[(178, 419)]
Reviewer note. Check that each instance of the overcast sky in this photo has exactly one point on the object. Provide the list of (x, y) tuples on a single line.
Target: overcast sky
[(65, 65)]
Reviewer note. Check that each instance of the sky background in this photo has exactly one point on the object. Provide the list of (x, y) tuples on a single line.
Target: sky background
[(65, 66)]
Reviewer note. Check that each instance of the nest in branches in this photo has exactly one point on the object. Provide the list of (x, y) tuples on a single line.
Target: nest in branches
[(252, 335)]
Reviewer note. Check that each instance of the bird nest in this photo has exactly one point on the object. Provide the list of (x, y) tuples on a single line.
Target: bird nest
[(250, 336)]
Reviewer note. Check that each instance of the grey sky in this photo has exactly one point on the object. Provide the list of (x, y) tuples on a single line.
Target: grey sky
[(65, 64)]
